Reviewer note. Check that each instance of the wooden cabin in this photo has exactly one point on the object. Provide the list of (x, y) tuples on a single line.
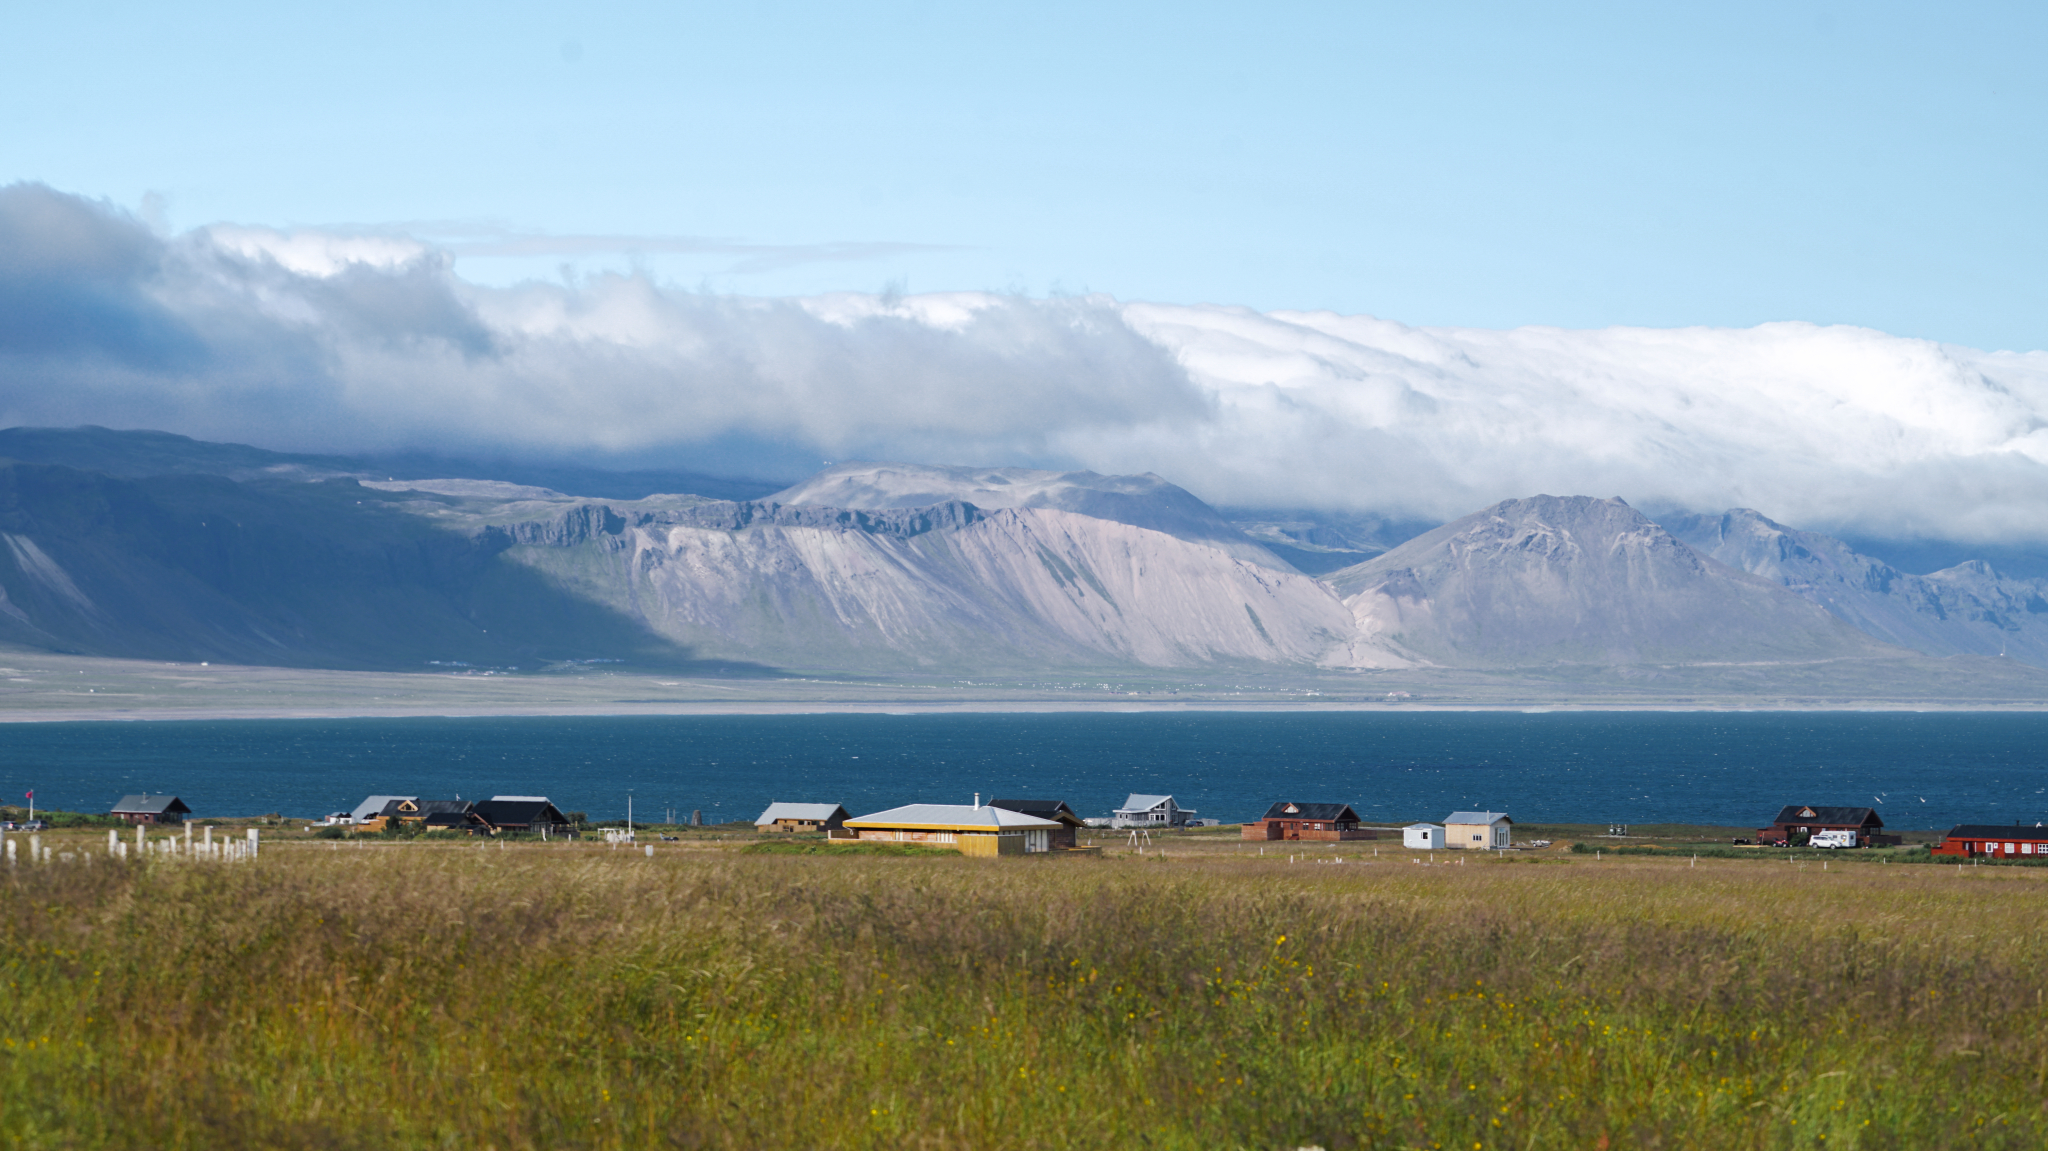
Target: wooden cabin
[(977, 830), (150, 809), (795, 817), (1055, 810), (1797, 823), (1312, 821), (1995, 841)]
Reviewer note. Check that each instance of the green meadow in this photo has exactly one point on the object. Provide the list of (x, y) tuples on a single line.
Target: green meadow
[(416, 994)]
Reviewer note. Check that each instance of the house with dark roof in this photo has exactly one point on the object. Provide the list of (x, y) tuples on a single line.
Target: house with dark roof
[(519, 813), (1052, 810), (1311, 821), (1797, 823), (151, 809), (1995, 841)]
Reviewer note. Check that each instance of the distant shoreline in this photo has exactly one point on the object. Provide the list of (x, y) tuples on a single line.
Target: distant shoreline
[(1022, 707)]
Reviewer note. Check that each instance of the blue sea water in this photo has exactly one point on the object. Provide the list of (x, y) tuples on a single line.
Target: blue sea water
[(1736, 769)]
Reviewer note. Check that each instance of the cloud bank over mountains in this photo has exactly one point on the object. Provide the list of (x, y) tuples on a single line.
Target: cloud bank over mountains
[(314, 341)]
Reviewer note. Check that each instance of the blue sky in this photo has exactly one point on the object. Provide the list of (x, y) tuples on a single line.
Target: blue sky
[(1488, 165)]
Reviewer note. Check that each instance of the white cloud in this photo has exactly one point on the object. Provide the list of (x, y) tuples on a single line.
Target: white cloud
[(314, 341)]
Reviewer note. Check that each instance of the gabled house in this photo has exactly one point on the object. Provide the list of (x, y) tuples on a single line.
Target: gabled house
[(1152, 812), (1312, 821), (1796, 823), (519, 813), (371, 809), (1050, 809), (1477, 830), (794, 817), (973, 830), (151, 809)]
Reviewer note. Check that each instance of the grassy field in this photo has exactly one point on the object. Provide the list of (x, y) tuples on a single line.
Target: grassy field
[(573, 995)]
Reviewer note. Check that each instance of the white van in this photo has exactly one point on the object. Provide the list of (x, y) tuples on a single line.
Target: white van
[(1832, 839)]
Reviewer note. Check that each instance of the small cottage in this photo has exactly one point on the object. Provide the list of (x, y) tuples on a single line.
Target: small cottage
[(1152, 812), (151, 809), (1423, 836), (1995, 841), (794, 817), (973, 830), (1312, 821), (1476, 830), (1796, 823), (1053, 809)]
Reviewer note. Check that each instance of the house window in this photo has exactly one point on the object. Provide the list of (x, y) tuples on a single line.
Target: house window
[(2008, 849), (2026, 849)]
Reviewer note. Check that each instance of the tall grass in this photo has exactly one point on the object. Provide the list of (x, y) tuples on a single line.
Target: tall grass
[(565, 996)]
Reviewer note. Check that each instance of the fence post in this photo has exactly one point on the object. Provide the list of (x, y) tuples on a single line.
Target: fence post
[(138, 839), (10, 853), (113, 843), (35, 848), (252, 843)]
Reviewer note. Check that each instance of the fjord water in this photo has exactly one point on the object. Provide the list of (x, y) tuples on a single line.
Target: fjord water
[(1920, 770)]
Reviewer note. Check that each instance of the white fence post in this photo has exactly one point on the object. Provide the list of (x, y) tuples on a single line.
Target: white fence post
[(253, 848), (35, 848), (10, 852)]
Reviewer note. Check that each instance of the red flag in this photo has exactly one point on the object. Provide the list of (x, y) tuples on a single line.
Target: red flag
[(30, 795)]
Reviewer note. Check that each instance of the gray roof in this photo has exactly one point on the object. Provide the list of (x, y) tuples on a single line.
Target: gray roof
[(150, 805), (374, 806), (1477, 817), (951, 816), (1423, 827), (818, 811), (1138, 802)]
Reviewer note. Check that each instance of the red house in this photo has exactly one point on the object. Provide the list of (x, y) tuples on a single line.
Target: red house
[(1995, 841), (1796, 823), (1317, 821)]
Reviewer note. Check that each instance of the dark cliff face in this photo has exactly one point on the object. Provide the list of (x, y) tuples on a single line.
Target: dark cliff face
[(1577, 579), (188, 568)]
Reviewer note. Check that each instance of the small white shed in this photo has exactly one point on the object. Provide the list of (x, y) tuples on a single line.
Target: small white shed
[(1423, 836)]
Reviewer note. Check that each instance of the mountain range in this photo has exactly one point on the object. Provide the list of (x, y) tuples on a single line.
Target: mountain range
[(151, 546)]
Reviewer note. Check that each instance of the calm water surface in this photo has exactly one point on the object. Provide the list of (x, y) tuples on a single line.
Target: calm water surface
[(1919, 770)]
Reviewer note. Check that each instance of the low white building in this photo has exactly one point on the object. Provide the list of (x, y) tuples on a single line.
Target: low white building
[(1423, 836), (1477, 830)]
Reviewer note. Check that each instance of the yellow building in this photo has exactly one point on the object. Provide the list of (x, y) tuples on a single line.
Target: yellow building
[(1477, 830), (976, 830)]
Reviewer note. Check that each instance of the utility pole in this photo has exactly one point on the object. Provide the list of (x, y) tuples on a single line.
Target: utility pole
[(629, 814)]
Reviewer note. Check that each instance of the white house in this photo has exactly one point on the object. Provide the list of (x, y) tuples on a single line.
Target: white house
[(1476, 830), (1423, 836), (1151, 811)]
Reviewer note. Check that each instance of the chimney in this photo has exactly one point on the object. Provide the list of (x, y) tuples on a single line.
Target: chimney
[(977, 801)]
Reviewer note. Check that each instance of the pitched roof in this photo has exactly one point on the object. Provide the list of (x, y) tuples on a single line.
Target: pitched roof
[(1469, 817), (151, 805), (1829, 816), (518, 812), (951, 817), (2036, 833), (443, 806), (1324, 811), (817, 811), (374, 806), (1138, 802), (1053, 809)]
